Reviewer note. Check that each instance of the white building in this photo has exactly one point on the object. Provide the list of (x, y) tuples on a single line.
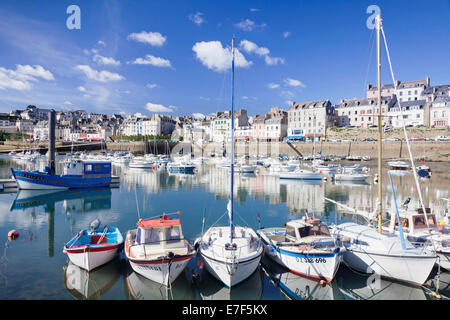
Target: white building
[(362, 113), (440, 112), (311, 118), (413, 114)]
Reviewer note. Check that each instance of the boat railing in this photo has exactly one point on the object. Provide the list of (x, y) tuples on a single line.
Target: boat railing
[(132, 243)]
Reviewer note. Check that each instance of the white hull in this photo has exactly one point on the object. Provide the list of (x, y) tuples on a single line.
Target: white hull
[(351, 177), (301, 175), (230, 266), (159, 272), (89, 260), (314, 266), (219, 269), (413, 270)]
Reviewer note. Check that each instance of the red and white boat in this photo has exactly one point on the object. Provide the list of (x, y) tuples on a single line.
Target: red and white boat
[(157, 249), (90, 249)]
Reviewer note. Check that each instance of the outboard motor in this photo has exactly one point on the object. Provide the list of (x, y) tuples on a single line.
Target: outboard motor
[(94, 225)]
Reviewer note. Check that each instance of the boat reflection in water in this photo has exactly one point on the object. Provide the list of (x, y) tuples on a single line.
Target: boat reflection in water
[(80, 201), (209, 288), (356, 286), (295, 287), (141, 288), (84, 285)]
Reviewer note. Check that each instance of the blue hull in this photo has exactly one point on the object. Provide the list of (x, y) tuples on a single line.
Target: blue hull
[(33, 180)]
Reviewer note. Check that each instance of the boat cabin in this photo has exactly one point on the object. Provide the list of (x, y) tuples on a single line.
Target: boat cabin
[(88, 169), (414, 221), (306, 229), (164, 232)]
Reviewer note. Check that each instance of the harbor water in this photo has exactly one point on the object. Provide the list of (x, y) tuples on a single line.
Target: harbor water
[(34, 266)]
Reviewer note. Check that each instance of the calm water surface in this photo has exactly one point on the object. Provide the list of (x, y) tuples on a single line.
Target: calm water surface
[(34, 266)]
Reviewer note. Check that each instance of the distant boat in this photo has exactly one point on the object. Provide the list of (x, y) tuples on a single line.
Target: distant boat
[(301, 174), (78, 174), (398, 165), (90, 249), (423, 171), (141, 164), (351, 176), (157, 249)]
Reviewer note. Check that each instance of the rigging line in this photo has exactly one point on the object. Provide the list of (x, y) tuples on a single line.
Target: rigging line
[(406, 135), (370, 55)]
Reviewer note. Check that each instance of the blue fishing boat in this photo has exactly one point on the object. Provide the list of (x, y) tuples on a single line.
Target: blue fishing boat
[(91, 248), (78, 174)]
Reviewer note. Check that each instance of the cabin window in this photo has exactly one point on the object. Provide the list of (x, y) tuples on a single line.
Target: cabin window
[(290, 231), (98, 167), (316, 230), (173, 234), (150, 236), (89, 167), (420, 222)]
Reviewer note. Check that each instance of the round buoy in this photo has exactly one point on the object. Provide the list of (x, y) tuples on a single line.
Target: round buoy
[(13, 234)]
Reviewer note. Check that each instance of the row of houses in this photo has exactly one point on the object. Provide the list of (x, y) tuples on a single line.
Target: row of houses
[(421, 105)]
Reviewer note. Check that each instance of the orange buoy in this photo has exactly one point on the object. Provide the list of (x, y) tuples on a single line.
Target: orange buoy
[(13, 234)]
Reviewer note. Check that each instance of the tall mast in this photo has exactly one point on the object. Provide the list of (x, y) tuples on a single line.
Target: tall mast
[(232, 146), (380, 199)]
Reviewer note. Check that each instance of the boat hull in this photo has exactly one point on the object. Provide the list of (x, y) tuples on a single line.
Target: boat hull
[(158, 270), (317, 266), (27, 180), (91, 257), (300, 176), (411, 269), (219, 269)]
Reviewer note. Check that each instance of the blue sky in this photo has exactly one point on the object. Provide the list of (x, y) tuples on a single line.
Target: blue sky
[(173, 56)]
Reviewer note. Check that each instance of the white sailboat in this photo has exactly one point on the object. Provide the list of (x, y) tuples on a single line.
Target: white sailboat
[(230, 253), (370, 250)]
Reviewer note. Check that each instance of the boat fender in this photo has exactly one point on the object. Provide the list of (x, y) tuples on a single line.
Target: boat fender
[(170, 255), (322, 283), (337, 250), (13, 235)]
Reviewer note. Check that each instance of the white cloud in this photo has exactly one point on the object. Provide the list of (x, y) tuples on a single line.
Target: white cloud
[(289, 102), (273, 61), (273, 85), (254, 9), (287, 94), (101, 76), (196, 18), (152, 107), (100, 42), (217, 58), (293, 83), (244, 98), (286, 34), (248, 25), (95, 51), (250, 47), (82, 89), (20, 78), (198, 115), (151, 60), (105, 60), (68, 103), (152, 85), (155, 39)]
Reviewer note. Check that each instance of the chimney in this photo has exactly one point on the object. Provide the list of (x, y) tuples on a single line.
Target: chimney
[(428, 81)]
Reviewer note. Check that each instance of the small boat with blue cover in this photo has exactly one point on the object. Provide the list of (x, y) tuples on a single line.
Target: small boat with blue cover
[(90, 248), (78, 174)]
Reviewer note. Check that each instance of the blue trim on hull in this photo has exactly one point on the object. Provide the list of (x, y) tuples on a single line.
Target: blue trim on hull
[(301, 255), (60, 181)]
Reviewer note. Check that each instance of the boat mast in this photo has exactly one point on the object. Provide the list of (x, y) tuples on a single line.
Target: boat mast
[(232, 146), (380, 199)]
